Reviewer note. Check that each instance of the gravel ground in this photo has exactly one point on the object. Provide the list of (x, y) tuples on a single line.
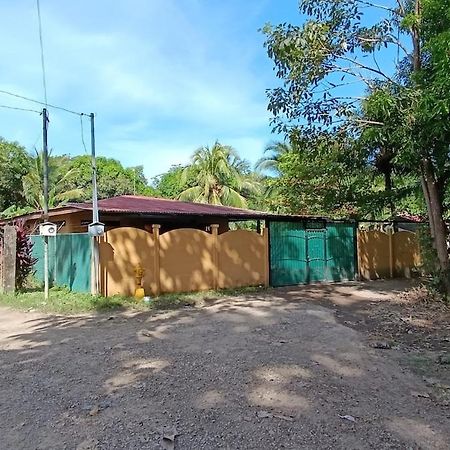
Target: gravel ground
[(262, 371)]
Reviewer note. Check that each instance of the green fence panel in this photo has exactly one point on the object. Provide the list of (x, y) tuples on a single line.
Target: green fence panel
[(69, 260), (311, 252), (316, 254), (341, 252), (288, 264)]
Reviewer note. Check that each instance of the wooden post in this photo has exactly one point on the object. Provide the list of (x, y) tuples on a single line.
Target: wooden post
[(215, 237), (9, 259), (157, 272), (265, 235), (391, 253)]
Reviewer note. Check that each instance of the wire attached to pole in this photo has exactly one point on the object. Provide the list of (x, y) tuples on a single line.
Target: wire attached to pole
[(28, 99), (21, 109)]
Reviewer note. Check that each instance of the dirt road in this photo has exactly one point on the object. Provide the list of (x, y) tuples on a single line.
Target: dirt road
[(262, 371)]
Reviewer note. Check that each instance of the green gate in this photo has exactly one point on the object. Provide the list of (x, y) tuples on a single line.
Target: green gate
[(306, 252), (69, 260)]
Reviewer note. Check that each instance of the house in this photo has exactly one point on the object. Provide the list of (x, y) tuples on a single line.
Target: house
[(141, 212)]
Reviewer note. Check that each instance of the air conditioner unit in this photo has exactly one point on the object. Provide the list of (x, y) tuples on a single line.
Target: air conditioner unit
[(48, 229)]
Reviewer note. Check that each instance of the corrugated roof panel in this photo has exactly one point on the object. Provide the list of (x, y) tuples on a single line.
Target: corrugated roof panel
[(151, 205)]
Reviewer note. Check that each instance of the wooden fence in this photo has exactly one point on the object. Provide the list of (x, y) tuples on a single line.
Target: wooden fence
[(182, 260), (387, 255)]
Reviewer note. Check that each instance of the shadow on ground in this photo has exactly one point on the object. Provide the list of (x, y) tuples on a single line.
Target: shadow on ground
[(264, 370)]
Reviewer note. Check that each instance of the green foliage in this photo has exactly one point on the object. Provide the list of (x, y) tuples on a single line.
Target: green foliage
[(401, 123), (218, 176), (62, 301), (14, 164), (59, 192), (170, 184), (112, 178), (430, 261), (427, 252), (24, 254)]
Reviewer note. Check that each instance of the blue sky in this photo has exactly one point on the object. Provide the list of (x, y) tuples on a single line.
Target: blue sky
[(163, 76)]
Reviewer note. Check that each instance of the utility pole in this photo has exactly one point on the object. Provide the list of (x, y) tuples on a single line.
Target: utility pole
[(45, 205), (95, 218)]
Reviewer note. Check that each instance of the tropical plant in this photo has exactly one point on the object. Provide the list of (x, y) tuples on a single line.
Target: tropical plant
[(322, 61), (269, 163), (219, 177), (14, 164), (170, 184), (24, 254), (113, 178), (33, 186)]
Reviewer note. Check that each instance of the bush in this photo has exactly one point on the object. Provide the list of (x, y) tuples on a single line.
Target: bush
[(24, 256), (430, 262)]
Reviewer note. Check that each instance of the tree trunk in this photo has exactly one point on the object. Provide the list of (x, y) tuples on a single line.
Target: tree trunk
[(435, 214)]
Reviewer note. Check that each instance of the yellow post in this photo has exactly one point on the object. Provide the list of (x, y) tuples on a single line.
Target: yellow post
[(156, 274), (265, 235), (139, 292), (215, 235)]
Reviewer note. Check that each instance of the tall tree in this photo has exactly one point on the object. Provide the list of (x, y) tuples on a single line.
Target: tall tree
[(58, 194), (219, 177), (321, 61), (170, 183), (112, 178), (14, 164)]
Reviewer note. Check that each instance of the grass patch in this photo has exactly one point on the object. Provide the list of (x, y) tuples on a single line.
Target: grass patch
[(62, 301)]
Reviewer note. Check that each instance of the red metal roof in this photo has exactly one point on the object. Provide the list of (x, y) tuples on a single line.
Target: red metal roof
[(133, 204)]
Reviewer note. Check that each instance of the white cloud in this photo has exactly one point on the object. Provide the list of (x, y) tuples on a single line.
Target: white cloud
[(163, 77)]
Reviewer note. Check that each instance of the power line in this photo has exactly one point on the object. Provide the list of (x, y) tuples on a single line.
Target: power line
[(20, 109), (44, 83), (82, 134), (41, 103)]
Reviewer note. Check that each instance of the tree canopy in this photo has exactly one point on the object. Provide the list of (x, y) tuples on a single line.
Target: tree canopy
[(217, 175), (398, 115)]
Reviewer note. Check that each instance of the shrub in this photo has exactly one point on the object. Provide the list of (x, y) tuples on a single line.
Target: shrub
[(430, 262), (24, 257)]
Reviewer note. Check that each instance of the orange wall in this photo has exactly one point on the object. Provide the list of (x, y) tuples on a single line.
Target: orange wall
[(72, 222), (182, 260), (186, 261), (242, 259), (121, 250), (383, 255)]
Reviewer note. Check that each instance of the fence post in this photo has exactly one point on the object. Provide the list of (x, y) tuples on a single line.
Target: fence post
[(215, 238), (9, 259), (391, 253), (265, 235), (157, 274)]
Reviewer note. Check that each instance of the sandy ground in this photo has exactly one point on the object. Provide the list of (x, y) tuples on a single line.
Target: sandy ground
[(281, 369)]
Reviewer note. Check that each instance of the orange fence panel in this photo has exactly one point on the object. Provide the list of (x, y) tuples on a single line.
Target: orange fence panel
[(186, 261), (121, 250), (387, 255), (242, 259)]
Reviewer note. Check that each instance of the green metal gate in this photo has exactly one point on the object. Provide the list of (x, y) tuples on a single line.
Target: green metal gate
[(307, 252), (69, 260)]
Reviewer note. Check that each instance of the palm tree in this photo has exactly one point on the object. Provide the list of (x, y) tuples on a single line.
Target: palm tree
[(33, 185), (218, 176), (269, 164)]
